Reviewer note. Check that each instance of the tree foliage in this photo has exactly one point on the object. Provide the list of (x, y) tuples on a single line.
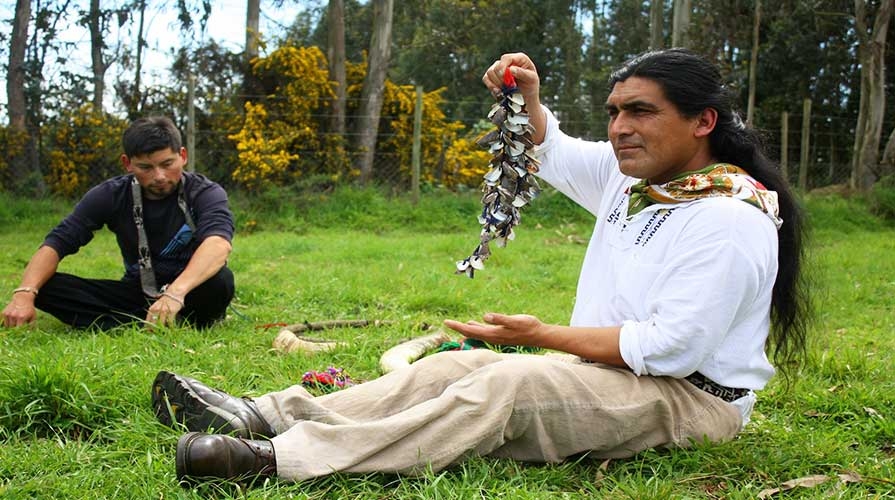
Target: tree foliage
[(807, 50)]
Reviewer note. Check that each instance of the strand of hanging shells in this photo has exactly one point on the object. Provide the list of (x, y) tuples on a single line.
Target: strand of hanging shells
[(510, 184)]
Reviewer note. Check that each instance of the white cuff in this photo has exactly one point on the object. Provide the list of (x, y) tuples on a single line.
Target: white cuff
[(629, 346)]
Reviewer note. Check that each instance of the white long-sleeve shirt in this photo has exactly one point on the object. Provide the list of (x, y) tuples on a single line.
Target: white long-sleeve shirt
[(689, 283)]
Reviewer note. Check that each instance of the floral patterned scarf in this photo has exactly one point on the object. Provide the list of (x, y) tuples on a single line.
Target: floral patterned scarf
[(719, 179)]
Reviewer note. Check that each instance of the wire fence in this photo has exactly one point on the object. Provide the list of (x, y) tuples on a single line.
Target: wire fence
[(827, 162)]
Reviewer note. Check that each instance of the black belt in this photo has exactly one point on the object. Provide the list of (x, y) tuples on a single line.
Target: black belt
[(728, 394)]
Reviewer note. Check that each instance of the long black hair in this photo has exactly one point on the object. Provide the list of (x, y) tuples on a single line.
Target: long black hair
[(693, 84)]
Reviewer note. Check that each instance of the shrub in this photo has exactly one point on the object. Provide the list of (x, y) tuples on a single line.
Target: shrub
[(84, 149), (882, 198), (12, 143), (285, 138)]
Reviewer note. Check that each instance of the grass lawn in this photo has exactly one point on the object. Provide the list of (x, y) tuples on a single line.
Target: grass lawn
[(75, 419)]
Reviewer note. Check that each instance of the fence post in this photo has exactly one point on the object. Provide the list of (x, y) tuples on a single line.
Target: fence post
[(832, 159), (191, 123), (784, 145), (417, 132), (806, 132)]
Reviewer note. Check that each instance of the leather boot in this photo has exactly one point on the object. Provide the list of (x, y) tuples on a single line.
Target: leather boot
[(179, 399), (217, 456)]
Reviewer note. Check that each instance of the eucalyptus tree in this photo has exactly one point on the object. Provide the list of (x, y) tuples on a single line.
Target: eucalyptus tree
[(190, 14), (630, 29), (251, 85), (887, 162), (806, 52), (871, 28), (312, 28), (335, 55), (96, 21), (15, 90), (36, 27), (130, 91), (753, 62), (99, 18), (680, 25), (656, 24), (450, 43), (599, 59), (367, 124)]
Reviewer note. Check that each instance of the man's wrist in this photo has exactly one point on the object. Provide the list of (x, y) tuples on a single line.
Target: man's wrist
[(25, 289), (173, 297)]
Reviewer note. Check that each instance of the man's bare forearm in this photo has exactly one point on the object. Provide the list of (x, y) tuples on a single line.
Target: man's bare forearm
[(600, 344), (40, 268), (208, 259)]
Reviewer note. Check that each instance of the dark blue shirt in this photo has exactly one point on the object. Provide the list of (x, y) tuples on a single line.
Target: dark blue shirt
[(171, 242)]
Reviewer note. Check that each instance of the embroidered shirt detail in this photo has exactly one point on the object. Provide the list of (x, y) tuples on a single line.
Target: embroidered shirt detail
[(652, 225)]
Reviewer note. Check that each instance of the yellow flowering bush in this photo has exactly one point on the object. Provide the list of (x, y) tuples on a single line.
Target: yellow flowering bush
[(281, 137), (301, 85), (285, 136), (12, 143), (396, 126), (84, 149), (262, 150), (465, 163)]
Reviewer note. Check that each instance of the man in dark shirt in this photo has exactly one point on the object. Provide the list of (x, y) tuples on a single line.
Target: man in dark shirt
[(174, 230)]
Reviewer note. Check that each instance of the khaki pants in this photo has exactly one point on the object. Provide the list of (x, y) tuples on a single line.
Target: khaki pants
[(452, 405)]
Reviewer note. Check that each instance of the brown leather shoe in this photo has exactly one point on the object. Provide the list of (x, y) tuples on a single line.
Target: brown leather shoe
[(216, 456), (178, 399)]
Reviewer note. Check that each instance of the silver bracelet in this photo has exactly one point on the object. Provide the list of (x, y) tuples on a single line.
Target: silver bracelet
[(25, 289), (175, 299)]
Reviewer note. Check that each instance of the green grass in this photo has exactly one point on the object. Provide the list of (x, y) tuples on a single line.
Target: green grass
[(75, 420)]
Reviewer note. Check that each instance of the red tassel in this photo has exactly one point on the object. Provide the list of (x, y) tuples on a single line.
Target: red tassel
[(508, 81)]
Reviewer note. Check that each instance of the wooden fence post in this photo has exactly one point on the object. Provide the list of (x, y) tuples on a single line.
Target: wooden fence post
[(806, 141), (417, 132), (784, 145), (832, 159), (191, 123)]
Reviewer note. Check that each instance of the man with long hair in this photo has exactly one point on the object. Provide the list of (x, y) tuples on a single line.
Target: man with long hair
[(691, 277)]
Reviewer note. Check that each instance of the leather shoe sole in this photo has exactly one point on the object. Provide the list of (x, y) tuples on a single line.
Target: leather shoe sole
[(182, 400)]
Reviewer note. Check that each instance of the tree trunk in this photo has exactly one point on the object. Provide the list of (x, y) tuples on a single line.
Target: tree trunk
[(887, 164), (251, 87), (680, 23), (871, 53), (95, 24), (655, 24), (860, 26), (336, 56), (15, 78), (753, 64), (134, 102), (20, 138), (374, 86), (43, 39), (138, 72)]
